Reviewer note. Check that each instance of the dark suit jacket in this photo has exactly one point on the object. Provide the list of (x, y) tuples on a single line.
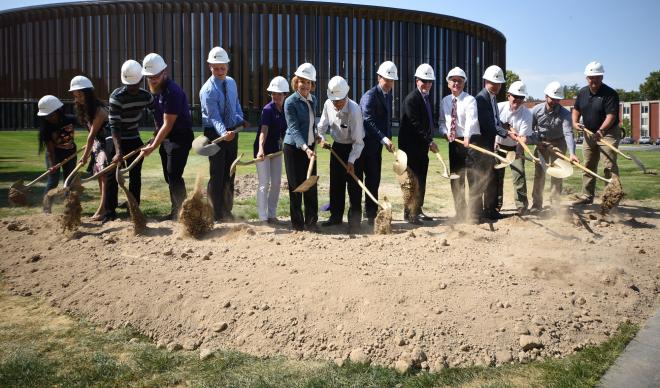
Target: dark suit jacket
[(487, 125), (377, 114), (415, 132)]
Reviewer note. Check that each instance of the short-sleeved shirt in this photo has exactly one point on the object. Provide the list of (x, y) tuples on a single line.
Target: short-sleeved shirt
[(172, 100), (276, 123), (61, 133), (595, 107)]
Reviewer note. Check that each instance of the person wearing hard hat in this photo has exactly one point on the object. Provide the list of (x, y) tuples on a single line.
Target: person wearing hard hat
[(514, 112), (56, 136), (416, 136), (93, 113), (173, 134), (551, 129), (268, 141), (342, 117), (376, 106), (127, 105), (221, 115), (598, 106), (482, 202), (298, 146), (458, 115)]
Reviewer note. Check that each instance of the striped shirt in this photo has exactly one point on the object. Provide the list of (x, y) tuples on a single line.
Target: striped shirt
[(126, 111)]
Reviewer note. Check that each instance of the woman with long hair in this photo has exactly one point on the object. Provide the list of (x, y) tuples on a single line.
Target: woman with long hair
[(92, 113)]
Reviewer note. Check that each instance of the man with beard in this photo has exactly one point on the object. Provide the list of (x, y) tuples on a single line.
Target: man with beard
[(221, 114), (127, 104), (174, 132)]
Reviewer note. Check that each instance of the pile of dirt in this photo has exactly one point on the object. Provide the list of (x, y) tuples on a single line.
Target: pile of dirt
[(196, 215), (409, 189), (612, 195), (71, 216), (430, 296), (383, 221), (137, 217)]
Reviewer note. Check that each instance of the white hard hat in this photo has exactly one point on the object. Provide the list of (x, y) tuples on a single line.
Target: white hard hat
[(131, 72), (388, 70), (518, 88), (494, 74), (278, 85), (554, 90), (337, 88), (218, 55), (425, 72), (80, 82), (456, 72), (307, 71), (48, 104), (153, 64), (593, 69)]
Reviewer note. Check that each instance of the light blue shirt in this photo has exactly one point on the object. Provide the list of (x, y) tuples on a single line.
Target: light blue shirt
[(212, 101)]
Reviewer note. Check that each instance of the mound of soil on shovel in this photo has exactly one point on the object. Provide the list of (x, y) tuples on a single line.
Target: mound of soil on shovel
[(196, 215), (383, 221), (70, 218), (612, 195), (17, 197), (409, 188)]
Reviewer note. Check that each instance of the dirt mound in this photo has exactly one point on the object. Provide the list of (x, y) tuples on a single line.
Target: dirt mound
[(196, 216), (409, 188), (612, 195), (458, 294)]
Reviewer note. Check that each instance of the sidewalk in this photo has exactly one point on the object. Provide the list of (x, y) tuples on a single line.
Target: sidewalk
[(639, 365)]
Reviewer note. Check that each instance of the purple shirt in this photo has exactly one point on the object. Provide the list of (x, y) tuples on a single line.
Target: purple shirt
[(172, 100), (276, 123)]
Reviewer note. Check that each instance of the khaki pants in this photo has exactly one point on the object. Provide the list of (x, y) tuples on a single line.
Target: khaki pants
[(591, 152), (539, 174), (517, 177)]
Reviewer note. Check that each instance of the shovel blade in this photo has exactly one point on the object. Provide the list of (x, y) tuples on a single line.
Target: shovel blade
[(560, 169), (307, 184), (232, 169), (203, 146), (638, 163), (401, 163)]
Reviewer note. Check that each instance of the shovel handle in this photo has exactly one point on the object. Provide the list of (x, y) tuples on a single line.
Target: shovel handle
[(311, 166), (58, 165), (485, 151), (607, 144), (71, 175), (529, 152), (359, 182), (253, 161), (444, 166), (225, 136), (133, 164), (111, 166), (580, 166)]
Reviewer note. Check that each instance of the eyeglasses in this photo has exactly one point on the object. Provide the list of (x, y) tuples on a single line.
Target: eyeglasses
[(155, 76), (517, 98), (425, 81), (456, 81)]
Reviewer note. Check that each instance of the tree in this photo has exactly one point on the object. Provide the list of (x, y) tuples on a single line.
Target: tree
[(632, 95), (511, 77), (571, 91), (625, 125), (650, 89)]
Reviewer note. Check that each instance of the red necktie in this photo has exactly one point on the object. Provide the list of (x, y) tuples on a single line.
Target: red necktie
[(454, 119)]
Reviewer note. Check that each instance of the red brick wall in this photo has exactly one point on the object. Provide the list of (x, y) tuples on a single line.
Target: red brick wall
[(653, 120), (635, 120)]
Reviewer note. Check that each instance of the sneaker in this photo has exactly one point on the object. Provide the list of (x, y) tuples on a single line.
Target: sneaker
[(536, 209), (415, 221), (583, 201), (109, 216), (522, 211)]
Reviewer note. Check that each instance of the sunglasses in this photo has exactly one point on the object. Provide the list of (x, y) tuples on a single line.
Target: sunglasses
[(424, 81), (517, 98)]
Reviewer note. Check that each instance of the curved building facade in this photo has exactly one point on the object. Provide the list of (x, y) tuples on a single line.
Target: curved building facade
[(44, 47)]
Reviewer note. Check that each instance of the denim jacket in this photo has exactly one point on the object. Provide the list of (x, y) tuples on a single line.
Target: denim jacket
[(297, 119)]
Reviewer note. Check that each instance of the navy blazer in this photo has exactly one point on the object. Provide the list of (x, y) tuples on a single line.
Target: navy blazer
[(297, 120), (377, 114), (487, 125), (415, 133)]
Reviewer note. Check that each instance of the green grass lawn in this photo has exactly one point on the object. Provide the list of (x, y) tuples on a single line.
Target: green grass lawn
[(40, 347), (20, 160)]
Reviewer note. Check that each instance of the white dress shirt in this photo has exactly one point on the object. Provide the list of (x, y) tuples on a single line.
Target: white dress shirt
[(520, 121), (467, 122), (345, 126)]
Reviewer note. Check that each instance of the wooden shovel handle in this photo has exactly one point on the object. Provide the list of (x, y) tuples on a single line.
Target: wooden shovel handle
[(580, 166), (526, 148), (111, 166), (225, 136), (607, 144), (485, 151), (58, 165), (71, 175), (359, 182), (311, 166)]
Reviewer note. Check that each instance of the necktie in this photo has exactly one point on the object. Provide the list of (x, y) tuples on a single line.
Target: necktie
[(496, 110), (429, 111), (226, 112), (454, 119), (388, 102)]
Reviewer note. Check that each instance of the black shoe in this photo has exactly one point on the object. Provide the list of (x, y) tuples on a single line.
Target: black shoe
[(331, 222), (109, 216), (424, 217), (536, 209), (415, 221), (312, 228), (493, 215)]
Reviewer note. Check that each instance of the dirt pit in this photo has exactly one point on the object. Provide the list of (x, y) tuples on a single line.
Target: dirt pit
[(532, 287)]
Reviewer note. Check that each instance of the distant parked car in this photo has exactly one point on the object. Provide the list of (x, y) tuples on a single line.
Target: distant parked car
[(657, 141), (627, 140), (645, 140)]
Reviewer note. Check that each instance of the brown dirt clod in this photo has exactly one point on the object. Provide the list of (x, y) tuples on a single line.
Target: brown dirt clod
[(612, 195), (196, 215), (383, 221), (17, 197), (70, 219), (409, 188)]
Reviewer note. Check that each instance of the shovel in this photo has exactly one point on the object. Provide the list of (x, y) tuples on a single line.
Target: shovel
[(445, 172), (203, 146), (558, 169), (18, 190), (613, 148), (400, 162), (110, 167), (310, 181), (580, 166), (383, 206), (256, 160), (232, 168), (137, 217), (510, 156)]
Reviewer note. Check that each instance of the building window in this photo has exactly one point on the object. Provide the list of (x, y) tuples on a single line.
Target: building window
[(645, 109), (644, 127)]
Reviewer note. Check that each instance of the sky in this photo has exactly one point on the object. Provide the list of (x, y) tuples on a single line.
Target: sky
[(550, 40)]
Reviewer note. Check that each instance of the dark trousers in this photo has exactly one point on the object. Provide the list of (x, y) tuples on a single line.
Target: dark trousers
[(457, 160), (221, 184), (482, 198), (59, 155), (173, 157), (518, 178), (339, 181), (295, 164), (135, 175), (370, 168), (418, 162)]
